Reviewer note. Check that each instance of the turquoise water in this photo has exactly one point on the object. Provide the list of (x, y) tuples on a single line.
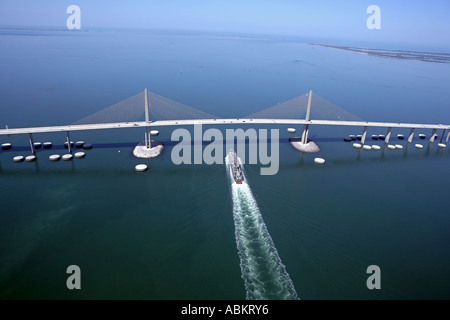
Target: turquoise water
[(169, 233)]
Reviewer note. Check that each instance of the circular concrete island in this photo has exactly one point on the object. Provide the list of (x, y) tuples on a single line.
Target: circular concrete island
[(79, 155), (67, 157), (376, 147), (37, 145), (47, 145), (400, 136), (422, 136), (291, 130), (391, 147), (319, 160), (66, 144), (79, 144), (54, 157), (87, 146), (141, 167), (154, 132), (18, 158), (418, 146), (30, 158), (442, 145), (398, 146), (357, 145), (367, 147), (6, 146)]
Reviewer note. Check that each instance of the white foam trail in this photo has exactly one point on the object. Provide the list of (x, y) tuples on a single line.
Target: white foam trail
[(264, 274)]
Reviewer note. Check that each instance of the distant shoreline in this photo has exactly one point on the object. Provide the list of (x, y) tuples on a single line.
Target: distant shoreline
[(395, 54)]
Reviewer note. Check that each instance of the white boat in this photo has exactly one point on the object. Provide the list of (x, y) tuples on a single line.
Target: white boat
[(236, 168)]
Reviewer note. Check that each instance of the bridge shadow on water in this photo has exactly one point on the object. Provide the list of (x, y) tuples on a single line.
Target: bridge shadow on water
[(73, 149), (352, 157)]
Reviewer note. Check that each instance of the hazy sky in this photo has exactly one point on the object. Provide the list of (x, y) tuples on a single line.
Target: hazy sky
[(409, 21)]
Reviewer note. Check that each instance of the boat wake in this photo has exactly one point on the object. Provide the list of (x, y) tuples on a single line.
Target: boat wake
[(265, 277)]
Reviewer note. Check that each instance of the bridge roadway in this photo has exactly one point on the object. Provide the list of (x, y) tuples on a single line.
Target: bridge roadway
[(118, 125)]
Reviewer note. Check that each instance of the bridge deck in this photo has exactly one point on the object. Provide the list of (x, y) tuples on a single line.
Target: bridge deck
[(119, 125)]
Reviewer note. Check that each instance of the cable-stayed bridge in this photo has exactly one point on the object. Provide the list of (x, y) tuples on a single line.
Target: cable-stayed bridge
[(149, 110)]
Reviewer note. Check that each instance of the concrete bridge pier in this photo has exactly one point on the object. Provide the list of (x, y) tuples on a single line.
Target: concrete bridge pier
[(388, 135), (148, 142), (363, 138), (448, 136), (69, 148), (433, 135), (411, 135), (33, 151), (306, 126), (9, 137), (443, 135), (305, 134)]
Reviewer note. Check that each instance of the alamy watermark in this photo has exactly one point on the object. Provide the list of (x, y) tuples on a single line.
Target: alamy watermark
[(74, 280), (374, 21), (213, 153), (74, 20), (374, 280)]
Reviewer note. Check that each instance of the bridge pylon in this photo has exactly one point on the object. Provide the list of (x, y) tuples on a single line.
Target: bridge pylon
[(306, 126), (302, 144), (148, 142)]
